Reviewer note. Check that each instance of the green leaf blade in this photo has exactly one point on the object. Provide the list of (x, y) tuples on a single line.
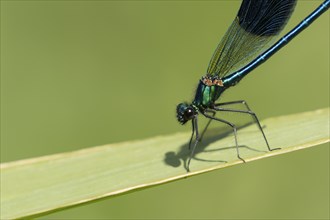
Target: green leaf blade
[(41, 185)]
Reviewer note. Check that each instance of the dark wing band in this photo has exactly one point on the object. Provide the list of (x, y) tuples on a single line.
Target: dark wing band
[(257, 23)]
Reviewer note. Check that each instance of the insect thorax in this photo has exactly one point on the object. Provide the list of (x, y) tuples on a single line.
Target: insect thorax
[(208, 91)]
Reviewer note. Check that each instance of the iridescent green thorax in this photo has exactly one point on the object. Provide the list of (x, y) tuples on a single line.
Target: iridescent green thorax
[(208, 91)]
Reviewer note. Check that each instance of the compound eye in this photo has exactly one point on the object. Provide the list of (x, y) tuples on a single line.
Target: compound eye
[(189, 113)]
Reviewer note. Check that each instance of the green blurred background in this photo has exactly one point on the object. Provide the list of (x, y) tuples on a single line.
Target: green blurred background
[(77, 74)]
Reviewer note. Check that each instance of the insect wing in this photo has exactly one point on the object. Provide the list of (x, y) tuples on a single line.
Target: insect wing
[(257, 23)]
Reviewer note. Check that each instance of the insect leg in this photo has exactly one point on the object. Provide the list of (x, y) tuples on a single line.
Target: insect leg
[(208, 123), (243, 102), (195, 127), (256, 120), (233, 127), (192, 133)]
